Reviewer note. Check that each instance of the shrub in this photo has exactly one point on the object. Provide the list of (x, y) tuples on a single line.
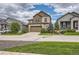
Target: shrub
[(50, 28), (62, 32), (67, 30), (15, 27), (70, 30), (25, 30), (44, 30)]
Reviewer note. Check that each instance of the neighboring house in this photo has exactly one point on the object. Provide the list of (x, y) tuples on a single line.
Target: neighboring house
[(5, 24), (39, 21), (11, 20), (69, 21)]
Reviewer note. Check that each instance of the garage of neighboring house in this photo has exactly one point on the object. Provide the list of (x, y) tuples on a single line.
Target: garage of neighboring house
[(35, 28)]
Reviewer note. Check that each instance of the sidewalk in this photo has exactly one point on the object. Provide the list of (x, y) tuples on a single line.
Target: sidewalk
[(36, 37), (15, 53)]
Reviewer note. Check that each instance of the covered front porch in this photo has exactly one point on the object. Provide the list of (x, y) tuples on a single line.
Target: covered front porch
[(4, 28), (65, 25), (73, 24)]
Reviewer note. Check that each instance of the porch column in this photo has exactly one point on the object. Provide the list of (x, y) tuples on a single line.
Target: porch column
[(71, 24), (0, 29), (59, 25), (78, 24)]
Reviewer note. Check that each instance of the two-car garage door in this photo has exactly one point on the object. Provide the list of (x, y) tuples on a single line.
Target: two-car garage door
[(35, 28)]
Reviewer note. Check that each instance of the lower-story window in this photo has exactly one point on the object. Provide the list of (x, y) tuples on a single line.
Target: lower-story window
[(63, 25)]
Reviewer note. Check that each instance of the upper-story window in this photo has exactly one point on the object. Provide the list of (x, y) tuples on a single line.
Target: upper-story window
[(45, 19), (37, 20)]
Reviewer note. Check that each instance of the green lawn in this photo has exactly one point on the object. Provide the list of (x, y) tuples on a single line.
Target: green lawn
[(71, 33), (50, 48), (49, 34)]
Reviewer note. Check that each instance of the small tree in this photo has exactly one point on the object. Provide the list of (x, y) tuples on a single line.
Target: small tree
[(56, 26), (15, 27), (50, 28)]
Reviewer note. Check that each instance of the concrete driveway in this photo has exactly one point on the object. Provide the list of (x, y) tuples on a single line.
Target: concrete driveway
[(34, 36), (17, 40)]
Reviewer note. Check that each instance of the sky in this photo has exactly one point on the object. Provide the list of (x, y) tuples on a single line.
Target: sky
[(25, 11)]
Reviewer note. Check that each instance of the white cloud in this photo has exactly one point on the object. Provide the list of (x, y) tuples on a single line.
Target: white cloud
[(62, 8), (19, 11), (65, 7), (24, 16), (22, 11)]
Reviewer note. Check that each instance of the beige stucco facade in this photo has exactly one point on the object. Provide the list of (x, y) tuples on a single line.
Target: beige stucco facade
[(39, 21)]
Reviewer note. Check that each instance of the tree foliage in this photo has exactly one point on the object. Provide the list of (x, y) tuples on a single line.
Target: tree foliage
[(50, 28), (56, 26), (15, 27)]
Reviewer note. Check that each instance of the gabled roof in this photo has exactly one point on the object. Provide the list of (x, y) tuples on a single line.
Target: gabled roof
[(41, 14), (63, 16), (2, 21), (13, 19), (74, 14)]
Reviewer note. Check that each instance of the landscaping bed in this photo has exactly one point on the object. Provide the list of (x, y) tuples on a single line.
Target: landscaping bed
[(50, 48)]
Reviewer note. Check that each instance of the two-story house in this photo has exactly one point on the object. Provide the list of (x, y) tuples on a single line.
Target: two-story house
[(39, 21)]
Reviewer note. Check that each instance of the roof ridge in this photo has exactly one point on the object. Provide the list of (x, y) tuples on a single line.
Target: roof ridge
[(75, 14), (41, 12)]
